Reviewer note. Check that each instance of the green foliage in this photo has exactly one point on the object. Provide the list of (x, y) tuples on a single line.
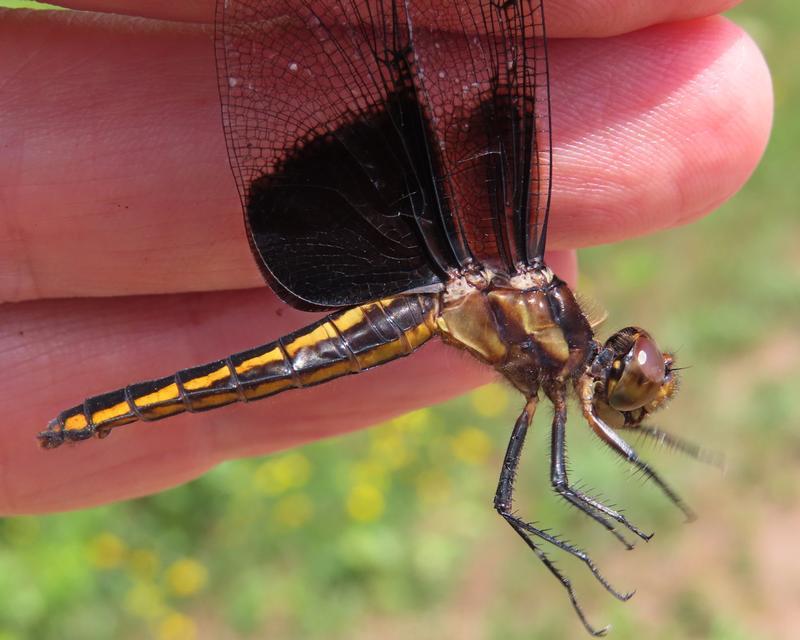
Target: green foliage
[(25, 4)]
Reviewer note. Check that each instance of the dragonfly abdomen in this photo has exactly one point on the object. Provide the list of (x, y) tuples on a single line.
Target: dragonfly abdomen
[(345, 342)]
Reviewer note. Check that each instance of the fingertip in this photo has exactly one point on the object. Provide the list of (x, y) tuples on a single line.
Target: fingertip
[(658, 128), (732, 109)]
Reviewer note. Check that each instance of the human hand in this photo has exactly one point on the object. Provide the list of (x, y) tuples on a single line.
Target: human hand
[(115, 186)]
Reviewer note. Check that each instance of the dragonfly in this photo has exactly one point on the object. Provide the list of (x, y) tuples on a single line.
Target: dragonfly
[(394, 163)]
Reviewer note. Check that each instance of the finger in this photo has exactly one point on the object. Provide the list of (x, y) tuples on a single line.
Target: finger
[(654, 129), (56, 352), (184, 11), (578, 18), (115, 179), (601, 18)]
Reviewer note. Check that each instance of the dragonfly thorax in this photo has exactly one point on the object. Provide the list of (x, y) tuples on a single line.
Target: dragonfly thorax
[(529, 327)]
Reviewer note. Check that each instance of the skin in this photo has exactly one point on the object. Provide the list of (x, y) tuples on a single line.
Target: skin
[(115, 187)]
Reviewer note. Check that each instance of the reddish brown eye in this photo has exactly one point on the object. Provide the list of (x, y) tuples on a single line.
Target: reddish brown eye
[(643, 373), (649, 359)]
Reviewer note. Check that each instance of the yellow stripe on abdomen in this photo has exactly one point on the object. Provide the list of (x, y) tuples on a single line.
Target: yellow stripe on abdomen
[(345, 342)]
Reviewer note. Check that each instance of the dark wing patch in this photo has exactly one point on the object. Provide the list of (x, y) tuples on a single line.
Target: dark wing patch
[(377, 151), (334, 224), (333, 159), (498, 157)]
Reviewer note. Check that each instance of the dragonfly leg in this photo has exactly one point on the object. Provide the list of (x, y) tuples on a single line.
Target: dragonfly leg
[(503, 503), (676, 443), (622, 448), (592, 507)]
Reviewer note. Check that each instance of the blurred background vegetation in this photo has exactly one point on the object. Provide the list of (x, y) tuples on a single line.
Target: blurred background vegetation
[(390, 532)]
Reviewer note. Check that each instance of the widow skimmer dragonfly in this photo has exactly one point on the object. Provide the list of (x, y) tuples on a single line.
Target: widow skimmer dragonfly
[(394, 164)]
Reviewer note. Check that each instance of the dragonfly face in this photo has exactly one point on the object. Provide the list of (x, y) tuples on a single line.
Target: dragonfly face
[(394, 166), (640, 377)]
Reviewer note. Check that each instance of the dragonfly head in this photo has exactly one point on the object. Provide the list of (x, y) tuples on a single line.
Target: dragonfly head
[(640, 378)]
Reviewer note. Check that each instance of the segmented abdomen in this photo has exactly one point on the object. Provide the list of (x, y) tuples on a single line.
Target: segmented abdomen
[(342, 343)]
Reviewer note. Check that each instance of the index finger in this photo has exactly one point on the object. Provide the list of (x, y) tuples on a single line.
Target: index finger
[(565, 18), (115, 180)]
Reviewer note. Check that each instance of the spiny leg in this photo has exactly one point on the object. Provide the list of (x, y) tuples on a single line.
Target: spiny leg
[(503, 503), (676, 443), (617, 444), (561, 578), (516, 523), (558, 475)]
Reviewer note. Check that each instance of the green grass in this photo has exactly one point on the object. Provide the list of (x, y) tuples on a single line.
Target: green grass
[(25, 4), (390, 531)]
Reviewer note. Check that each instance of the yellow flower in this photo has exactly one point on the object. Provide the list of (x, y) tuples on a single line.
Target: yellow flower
[(365, 503), (389, 446), (143, 563), (177, 626), (279, 474), (186, 577), (471, 445), (294, 511), (369, 472), (145, 600), (106, 551), (490, 401)]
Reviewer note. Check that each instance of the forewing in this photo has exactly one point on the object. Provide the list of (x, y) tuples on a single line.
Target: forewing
[(483, 72), (334, 162)]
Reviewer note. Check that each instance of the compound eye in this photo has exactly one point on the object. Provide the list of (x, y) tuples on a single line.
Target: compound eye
[(648, 359), (643, 374)]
